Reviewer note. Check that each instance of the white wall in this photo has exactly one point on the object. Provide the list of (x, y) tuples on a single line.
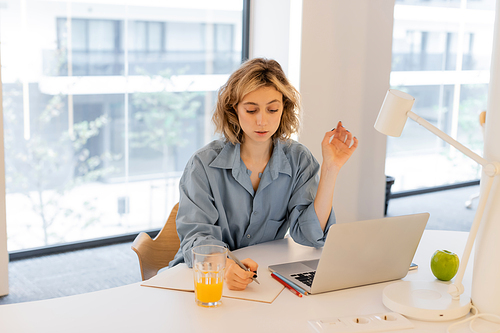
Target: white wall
[(269, 37), (345, 63), (4, 255), (485, 292), (345, 71)]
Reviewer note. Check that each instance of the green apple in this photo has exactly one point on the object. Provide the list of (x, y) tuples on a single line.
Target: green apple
[(444, 264)]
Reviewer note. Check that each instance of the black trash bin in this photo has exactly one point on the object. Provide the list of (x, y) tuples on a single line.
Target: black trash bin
[(389, 181)]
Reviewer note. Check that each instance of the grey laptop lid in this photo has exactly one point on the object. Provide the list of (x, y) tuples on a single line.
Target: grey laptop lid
[(360, 253)]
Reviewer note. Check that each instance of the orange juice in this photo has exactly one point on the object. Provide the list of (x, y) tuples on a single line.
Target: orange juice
[(210, 292), (209, 263)]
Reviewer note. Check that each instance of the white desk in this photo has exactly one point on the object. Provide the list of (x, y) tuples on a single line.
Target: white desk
[(135, 308)]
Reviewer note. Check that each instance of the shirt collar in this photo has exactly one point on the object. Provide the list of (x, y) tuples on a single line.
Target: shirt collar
[(279, 161), (229, 158)]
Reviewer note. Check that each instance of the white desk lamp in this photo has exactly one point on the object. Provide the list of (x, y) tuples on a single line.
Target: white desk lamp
[(431, 300)]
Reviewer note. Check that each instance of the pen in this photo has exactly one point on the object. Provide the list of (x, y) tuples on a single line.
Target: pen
[(293, 285), (286, 285), (233, 257)]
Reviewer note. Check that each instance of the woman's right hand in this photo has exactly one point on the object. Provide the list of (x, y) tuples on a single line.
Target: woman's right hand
[(237, 278)]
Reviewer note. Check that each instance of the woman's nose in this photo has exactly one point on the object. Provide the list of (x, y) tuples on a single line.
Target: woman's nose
[(261, 119)]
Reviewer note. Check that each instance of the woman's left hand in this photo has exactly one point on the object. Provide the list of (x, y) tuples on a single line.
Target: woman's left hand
[(337, 146)]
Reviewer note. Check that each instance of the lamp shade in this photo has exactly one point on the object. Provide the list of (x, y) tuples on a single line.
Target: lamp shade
[(393, 114)]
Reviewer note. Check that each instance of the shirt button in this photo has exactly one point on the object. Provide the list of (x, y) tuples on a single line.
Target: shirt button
[(248, 236), (255, 213)]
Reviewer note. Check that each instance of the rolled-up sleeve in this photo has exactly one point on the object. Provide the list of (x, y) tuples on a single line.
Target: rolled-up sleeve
[(197, 215), (305, 227)]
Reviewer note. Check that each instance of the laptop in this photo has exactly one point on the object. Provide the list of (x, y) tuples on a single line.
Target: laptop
[(359, 253)]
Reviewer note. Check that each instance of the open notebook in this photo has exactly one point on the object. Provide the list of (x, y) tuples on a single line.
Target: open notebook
[(180, 278)]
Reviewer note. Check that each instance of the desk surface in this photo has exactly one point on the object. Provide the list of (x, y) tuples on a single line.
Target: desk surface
[(135, 308)]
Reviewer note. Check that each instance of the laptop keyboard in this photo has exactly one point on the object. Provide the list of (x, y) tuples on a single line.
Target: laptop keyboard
[(306, 278)]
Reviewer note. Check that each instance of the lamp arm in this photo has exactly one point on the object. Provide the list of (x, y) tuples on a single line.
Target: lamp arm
[(457, 288), (490, 169), (448, 139)]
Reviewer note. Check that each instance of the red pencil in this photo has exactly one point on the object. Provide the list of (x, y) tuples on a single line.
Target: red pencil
[(286, 285)]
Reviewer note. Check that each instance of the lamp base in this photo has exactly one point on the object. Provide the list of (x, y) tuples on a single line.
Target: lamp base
[(423, 300)]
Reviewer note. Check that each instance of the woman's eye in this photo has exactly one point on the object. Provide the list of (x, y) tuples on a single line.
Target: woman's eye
[(273, 110), (251, 111)]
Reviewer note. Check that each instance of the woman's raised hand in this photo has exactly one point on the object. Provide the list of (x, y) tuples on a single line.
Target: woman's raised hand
[(337, 146)]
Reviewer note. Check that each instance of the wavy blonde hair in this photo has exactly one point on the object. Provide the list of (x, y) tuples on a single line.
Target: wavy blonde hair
[(252, 75)]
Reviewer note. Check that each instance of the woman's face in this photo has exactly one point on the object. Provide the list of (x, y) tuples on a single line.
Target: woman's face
[(259, 113)]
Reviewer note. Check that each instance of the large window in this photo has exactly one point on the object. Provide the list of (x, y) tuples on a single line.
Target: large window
[(441, 56), (103, 105)]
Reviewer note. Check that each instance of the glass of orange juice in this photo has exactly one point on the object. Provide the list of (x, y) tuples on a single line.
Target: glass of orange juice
[(209, 264)]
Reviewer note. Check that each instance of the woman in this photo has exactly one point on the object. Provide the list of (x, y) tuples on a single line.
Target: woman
[(256, 183)]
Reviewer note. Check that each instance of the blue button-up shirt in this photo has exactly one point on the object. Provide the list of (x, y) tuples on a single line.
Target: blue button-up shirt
[(218, 204)]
